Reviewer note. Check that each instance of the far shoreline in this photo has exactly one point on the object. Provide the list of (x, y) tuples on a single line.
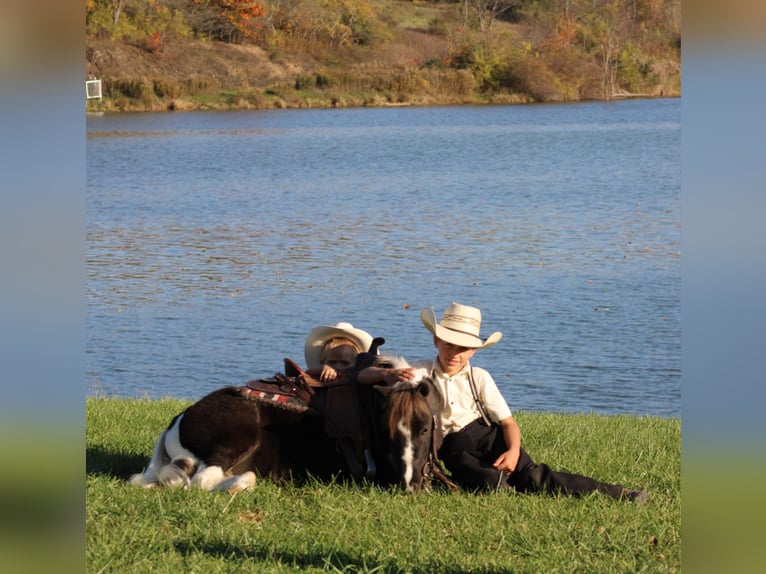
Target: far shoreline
[(96, 108)]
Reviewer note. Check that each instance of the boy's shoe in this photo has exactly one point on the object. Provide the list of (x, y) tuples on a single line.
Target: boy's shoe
[(635, 495)]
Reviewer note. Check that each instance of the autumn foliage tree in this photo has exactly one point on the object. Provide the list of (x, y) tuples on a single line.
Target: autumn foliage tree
[(135, 20), (226, 20)]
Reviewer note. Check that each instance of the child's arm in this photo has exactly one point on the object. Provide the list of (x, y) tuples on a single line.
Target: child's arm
[(372, 375), (512, 435), (323, 373)]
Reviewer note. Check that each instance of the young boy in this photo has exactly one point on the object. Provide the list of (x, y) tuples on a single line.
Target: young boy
[(482, 444)]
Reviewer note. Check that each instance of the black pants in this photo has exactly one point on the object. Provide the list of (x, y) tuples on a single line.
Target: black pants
[(469, 454)]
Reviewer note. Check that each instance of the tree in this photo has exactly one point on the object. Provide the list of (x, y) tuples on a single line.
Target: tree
[(104, 15), (606, 27), (227, 20), (487, 11), (135, 20), (117, 6)]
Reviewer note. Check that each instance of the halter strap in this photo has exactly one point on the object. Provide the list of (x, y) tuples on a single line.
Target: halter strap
[(431, 467)]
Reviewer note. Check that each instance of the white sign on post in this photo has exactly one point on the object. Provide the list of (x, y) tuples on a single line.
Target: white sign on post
[(93, 89)]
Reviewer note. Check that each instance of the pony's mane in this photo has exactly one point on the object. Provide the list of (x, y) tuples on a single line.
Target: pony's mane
[(406, 403)]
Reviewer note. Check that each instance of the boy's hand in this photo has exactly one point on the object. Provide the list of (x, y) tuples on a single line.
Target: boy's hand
[(508, 460), (375, 375), (393, 376)]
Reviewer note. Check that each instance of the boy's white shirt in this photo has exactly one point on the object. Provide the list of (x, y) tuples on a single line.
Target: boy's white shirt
[(459, 408)]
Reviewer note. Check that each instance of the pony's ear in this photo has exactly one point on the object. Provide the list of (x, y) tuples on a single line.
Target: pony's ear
[(424, 388)]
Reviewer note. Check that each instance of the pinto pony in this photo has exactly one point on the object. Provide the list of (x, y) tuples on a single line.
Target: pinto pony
[(226, 438), (232, 435)]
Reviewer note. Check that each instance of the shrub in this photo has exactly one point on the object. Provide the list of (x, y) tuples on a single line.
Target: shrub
[(528, 74), (635, 70)]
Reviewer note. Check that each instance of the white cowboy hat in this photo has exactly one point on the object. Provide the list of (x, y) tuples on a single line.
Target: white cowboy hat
[(460, 326), (318, 336)]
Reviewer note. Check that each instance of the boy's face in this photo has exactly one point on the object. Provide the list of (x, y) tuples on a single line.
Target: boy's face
[(452, 358), (340, 358)]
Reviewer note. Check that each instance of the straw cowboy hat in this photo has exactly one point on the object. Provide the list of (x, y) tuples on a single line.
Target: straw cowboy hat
[(318, 336), (460, 326)]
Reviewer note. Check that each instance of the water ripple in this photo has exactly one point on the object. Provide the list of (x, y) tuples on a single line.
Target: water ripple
[(215, 242)]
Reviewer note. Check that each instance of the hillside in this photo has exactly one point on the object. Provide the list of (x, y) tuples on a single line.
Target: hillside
[(415, 53)]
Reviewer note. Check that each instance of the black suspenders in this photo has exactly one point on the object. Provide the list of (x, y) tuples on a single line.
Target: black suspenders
[(476, 398), (482, 411)]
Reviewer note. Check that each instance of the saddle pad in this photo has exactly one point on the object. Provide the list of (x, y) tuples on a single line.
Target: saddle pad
[(273, 395)]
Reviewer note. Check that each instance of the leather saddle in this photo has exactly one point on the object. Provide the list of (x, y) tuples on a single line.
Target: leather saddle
[(338, 403)]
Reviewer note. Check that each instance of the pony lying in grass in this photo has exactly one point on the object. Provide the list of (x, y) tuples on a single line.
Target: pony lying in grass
[(234, 434), (225, 439)]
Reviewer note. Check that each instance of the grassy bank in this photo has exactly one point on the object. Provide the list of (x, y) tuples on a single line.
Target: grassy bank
[(341, 528)]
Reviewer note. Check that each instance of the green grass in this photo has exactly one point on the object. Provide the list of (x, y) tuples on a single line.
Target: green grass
[(320, 527)]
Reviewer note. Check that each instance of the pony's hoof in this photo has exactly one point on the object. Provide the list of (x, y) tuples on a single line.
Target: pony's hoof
[(143, 481), (238, 483), (173, 477), (140, 480)]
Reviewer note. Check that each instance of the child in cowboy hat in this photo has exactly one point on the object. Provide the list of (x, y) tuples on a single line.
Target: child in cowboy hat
[(482, 444), (331, 349)]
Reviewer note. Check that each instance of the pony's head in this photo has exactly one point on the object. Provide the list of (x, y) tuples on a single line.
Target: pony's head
[(412, 424)]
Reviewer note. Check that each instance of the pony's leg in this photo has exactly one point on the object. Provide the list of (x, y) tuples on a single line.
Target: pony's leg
[(177, 473), (151, 476), (237, 483), (181, 463), (208, 478)]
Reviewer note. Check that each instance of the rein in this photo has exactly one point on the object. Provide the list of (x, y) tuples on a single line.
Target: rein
[(431, 468)]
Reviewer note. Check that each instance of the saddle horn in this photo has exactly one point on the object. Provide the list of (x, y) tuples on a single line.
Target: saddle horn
[(364, 360), (376, 343)]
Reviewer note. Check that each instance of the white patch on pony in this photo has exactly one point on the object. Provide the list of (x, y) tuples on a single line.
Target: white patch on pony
[(174, 476), (173, 442), (161, 470), (237, 483), (408, 454), (208, 478)]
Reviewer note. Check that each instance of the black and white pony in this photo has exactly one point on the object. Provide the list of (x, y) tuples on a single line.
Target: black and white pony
[(227, 439)]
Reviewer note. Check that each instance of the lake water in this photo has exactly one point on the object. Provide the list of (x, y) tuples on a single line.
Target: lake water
[(217, 240)]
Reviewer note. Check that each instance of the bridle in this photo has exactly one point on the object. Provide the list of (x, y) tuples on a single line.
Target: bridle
[(431, 467)]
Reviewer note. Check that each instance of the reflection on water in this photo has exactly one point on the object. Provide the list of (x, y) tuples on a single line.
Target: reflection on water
[(216, 241)]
